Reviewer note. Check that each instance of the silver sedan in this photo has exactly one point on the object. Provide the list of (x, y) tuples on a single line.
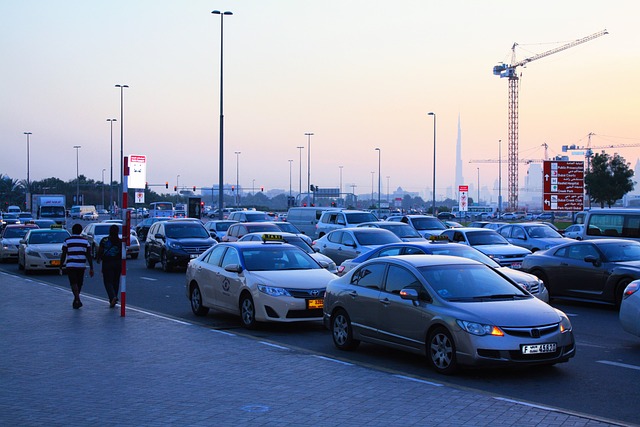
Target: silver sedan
[(453, 310)]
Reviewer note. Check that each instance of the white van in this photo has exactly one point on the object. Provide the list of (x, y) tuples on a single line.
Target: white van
[(306, 218), (610, 223), (79, 210), (14, 209)]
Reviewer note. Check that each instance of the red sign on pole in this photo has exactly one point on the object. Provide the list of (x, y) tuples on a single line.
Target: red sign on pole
[(563, 185)]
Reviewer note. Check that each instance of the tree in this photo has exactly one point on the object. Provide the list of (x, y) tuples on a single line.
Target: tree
[(609, 179)]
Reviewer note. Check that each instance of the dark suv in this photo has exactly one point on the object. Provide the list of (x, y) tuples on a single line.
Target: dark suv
[(175, 242)]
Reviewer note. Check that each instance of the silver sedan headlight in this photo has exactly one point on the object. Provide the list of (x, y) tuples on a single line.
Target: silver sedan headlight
[(480, 329), (32, 252), (175, 245), (273, 291), (565, 323)]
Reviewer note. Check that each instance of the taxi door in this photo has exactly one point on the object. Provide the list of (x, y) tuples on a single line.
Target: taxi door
[(229, 283), (208, 271)]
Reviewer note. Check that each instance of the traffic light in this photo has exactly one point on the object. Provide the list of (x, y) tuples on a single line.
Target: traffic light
[(175, 188), (194, 188), (146, 185), (166, 184), (233, 188), (261, 188)]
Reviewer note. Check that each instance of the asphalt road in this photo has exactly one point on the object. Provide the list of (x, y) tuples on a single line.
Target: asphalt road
[(603, 379)]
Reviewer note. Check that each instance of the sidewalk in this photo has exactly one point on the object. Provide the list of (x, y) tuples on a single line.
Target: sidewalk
[(65, 367)]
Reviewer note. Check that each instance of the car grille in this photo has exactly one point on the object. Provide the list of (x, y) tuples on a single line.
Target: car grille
[(195, 250), (307, 293), (304, 314), (536, 332), (52, 255), (532, 287)]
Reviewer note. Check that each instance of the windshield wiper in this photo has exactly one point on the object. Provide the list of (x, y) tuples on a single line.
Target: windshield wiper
[(504, 296)]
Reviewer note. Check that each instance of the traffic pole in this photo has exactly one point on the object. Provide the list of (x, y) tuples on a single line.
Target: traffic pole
[(125, 237)]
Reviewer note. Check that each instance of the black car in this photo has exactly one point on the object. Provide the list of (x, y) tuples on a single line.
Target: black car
[(175, 242), (589, 270), (143, 227)]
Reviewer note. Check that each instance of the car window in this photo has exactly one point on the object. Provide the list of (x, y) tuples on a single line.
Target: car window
[(518, 233), (185, 231), (360, 217), (215, 255), (399, 278), (542, 231), (621, 252), (389, 252), (279, 258), (413, 251), (230, 257), (335, 237), (505, 231), (578, 252), (370, 276), (340, 219), (348, 240)]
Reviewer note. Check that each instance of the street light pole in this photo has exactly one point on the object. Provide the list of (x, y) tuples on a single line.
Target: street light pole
[(177, 189), (290, 163), (309, 135), (221, 163), (372, 175), (28, 192), (433, 206), (77, 147), (499, 177), (111, 176), (340, 192), (300, 174), (121, 142), (379, 177), (237, 153), (103, 170), (388, 177), (478, 203)]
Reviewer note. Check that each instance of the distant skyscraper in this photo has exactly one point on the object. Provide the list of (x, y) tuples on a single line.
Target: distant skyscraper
[(459, 177)]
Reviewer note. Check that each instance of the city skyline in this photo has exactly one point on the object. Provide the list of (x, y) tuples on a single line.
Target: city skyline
[(355, 74)]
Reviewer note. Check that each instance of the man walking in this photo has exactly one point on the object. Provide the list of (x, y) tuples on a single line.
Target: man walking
[(76, 251)]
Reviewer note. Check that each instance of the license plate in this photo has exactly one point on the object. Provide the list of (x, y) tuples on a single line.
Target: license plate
[(315, 303), (538, 348), (55, 262), (516, 265)]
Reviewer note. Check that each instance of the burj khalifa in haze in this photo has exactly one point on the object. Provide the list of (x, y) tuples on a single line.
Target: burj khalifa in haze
[(459, 177)]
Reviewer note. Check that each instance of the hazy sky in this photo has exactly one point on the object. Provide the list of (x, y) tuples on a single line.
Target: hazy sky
[(359, 74)]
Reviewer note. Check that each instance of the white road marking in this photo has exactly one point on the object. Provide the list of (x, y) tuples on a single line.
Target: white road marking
[(404, 377), (273, 345), (530, 405), (620, 365), (229, 334), (584, 344), (151, 279)]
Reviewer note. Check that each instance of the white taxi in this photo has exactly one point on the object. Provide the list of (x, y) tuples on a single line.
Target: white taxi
[(260, 281), (41, 249)]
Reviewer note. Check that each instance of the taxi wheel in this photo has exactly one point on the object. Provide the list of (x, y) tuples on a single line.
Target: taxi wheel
[(247, 312), (147, 260), (165, 262), (441, 351), (342, 332), (195, 296)]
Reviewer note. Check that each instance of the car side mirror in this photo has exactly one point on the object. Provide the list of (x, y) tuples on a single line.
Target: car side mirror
[(593, 260), (23, 242), (158, 236), (409, 294), (233, 268)]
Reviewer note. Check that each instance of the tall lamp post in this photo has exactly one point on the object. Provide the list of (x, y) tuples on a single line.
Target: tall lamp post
[(388, 178), (478, 203), (28, 192), (177, 189), (499, 177), (111, 176), (121, 142), (433, 206), (309, 135), (300, 174), (103, 170), (379, 178), (340, 191), (77, 147), (290, 164), (372, 175), (237, 153), (221, 163)]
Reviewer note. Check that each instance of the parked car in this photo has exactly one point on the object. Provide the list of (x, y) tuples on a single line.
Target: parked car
[(295, 240), (489, 243), (426, 225), (405, 232), (574, 231), (590, 270), (249, 216), (439, 247), (96, 231), (10, 240), (348, 243), (630, 308), (175, 242), (333, 220), (90, 216), (142, 228), (287, 227), (41, 249), (532, 236), (453, 310), (305, 218), (218, 227), (260, 282), (445, 216)]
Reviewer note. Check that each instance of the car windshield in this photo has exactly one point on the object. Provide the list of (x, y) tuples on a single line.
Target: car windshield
[(257, 216), (288, 228), (15, 233), (52, 211), (541, 231), (616, 252), (428, 224), (278, 257), (10, 216), (360, 217), (297, 241), (469, 283), (267, 226), (464, 252), (103, 229), (186, 231), (403, 231), (47, 237), (222, 226), (479, 238), (382, 238)]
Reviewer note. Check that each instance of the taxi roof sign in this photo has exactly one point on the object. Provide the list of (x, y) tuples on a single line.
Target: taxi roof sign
[(272, 238), (438, 238)]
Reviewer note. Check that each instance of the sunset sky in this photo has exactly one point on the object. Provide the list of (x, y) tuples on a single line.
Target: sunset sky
[(359, 74)]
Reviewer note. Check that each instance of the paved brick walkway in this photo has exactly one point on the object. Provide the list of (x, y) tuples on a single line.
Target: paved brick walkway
[(65, 367)]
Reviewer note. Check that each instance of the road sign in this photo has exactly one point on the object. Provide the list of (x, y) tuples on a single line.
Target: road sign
[(463, 201), (137, 171), (563, 185)]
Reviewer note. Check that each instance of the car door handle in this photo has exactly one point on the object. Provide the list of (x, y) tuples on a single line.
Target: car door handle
[(353, 293), (564, 264), (385, 301)]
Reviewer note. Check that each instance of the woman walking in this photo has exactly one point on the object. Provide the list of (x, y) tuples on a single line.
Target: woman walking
[(110, 255)]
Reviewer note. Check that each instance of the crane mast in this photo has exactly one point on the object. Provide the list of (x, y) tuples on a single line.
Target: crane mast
[(509, 71)]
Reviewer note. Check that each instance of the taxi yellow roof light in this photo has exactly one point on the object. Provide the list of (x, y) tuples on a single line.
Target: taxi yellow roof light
[(277, 238)]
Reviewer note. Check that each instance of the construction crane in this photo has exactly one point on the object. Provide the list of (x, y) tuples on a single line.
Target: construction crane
[(509, 71), (588, 149)]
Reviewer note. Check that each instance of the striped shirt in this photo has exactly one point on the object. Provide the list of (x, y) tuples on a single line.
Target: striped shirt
[(77, 248)]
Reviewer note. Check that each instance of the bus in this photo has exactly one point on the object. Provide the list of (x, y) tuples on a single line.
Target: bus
[(475, 211), (161, 209)]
